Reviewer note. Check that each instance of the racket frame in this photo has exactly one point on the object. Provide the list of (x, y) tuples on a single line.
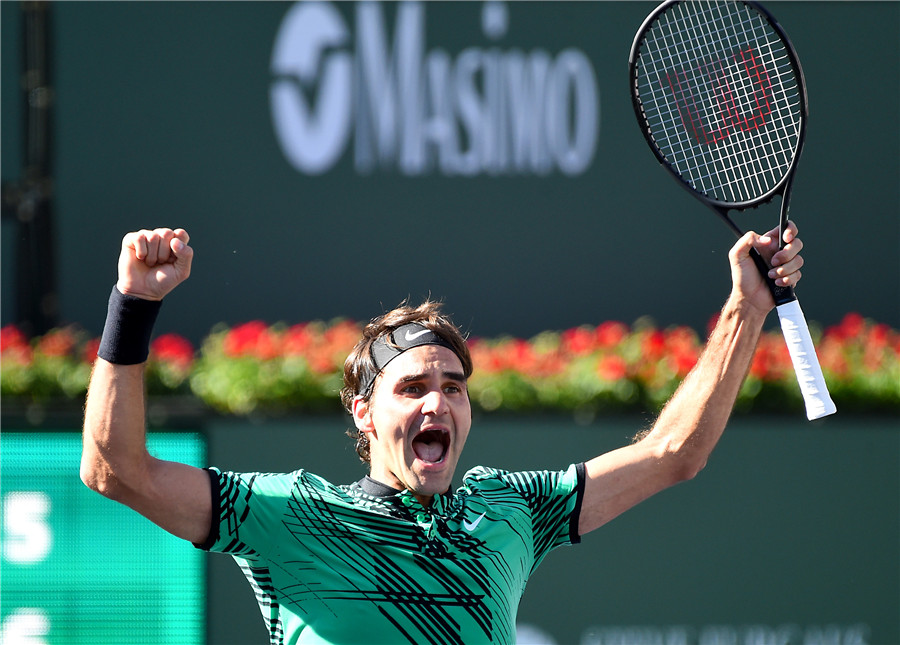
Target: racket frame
[(782, 188)]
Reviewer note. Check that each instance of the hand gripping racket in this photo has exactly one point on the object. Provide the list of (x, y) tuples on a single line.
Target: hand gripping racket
[(720, 97)]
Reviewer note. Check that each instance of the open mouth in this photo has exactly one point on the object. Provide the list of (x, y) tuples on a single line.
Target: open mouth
[(431, 445)]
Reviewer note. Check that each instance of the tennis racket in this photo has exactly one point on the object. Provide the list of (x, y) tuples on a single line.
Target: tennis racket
[(720, 97)]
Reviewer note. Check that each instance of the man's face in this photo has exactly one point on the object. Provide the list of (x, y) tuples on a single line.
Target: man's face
[(417, 420)]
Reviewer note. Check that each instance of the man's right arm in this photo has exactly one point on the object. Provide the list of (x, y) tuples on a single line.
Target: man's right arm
[(116, 464), (115, 461)]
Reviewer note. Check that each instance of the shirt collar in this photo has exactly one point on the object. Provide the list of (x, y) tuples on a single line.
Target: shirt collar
[(375, 488)]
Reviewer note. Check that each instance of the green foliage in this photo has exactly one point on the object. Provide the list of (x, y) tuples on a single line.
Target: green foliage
[(260, 368)]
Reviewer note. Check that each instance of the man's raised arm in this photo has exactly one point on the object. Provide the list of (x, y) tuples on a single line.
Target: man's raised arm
[(114, 460), (693, 420)]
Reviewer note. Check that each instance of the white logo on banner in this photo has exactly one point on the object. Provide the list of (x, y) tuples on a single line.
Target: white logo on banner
[(484, 111)]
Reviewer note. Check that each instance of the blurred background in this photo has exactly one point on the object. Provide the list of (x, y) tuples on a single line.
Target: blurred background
[(331, 160)]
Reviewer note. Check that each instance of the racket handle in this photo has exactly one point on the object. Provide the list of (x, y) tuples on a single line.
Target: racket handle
[(806, 363)]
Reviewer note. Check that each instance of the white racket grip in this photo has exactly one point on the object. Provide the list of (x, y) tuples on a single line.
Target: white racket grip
[(806, 363)]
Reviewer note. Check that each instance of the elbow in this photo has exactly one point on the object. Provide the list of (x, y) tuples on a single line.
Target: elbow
[(682, 461), (91, 478), (689, 467), (99, 478), (116, 477)]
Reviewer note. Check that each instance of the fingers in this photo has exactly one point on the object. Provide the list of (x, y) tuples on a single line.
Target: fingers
[(790, 232), (152, 263), (787, 275), (182, 235), (740, 252), (156, 247), (182, 254), (784, 263), (787, 261)]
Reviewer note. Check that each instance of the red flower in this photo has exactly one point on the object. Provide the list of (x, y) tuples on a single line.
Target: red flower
[(831, 357), (578, 341), (684, 361), (850, 328), (338, 341), (852, 325), (483, 357), (772, 361), (89, 353), (172, 348), (14, 345), (298, 340), (505, 354), (320, 362), (879, 334), (58, 342), (683, 348), (612, 368), (12, 337), (251, 339), (653, 346), (343, 335), (609, 334), (514, 354), (522, 357)]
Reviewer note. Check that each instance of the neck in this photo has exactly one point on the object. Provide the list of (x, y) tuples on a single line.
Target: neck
[(391, 485)]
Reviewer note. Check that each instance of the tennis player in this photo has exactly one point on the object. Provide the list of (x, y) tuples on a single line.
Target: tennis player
[(399, 556)]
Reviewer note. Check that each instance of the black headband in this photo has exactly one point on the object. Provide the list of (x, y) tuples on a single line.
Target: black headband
[(389, 346)]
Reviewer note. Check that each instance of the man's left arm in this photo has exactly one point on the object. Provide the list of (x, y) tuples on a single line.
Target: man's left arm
[(691, 423)]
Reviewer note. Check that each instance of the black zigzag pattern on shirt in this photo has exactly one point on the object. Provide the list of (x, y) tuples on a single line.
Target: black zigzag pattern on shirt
[(415, 595), (546, 509), (260, 580), (234, 510), (323, 554)]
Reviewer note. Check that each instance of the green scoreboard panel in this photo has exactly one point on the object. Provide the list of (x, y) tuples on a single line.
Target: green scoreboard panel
[(80, 569)]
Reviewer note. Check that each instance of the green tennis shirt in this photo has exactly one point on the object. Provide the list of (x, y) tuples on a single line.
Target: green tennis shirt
[(365, 563)]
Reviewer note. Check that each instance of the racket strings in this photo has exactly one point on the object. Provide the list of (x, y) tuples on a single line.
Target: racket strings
[(733, 167), (772, 158), (720, 98), (745, 172), (742, 169)]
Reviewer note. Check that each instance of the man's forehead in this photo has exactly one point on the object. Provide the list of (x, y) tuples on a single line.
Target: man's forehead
[(422, 360)]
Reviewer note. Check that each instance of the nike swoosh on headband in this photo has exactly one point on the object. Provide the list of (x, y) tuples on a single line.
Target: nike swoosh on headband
[(412, 336)]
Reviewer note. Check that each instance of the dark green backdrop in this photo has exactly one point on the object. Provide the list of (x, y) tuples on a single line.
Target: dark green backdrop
[(162, 117)]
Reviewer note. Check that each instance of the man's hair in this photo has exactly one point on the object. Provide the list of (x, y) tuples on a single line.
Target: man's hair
[(359, 363)]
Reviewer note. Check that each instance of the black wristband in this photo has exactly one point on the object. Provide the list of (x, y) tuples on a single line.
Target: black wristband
[(129, 324)]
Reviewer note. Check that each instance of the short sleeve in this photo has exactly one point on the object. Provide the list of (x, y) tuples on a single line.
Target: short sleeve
[(244, 507), (553, 499)]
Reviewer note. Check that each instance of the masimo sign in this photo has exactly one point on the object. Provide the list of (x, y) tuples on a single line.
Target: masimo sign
[(416, 110)]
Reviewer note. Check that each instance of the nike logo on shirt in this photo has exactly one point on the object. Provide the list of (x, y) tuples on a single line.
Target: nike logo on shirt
[(470, 526)]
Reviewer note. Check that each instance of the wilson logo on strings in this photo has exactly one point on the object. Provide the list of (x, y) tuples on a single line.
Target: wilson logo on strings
[(717, 98)]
